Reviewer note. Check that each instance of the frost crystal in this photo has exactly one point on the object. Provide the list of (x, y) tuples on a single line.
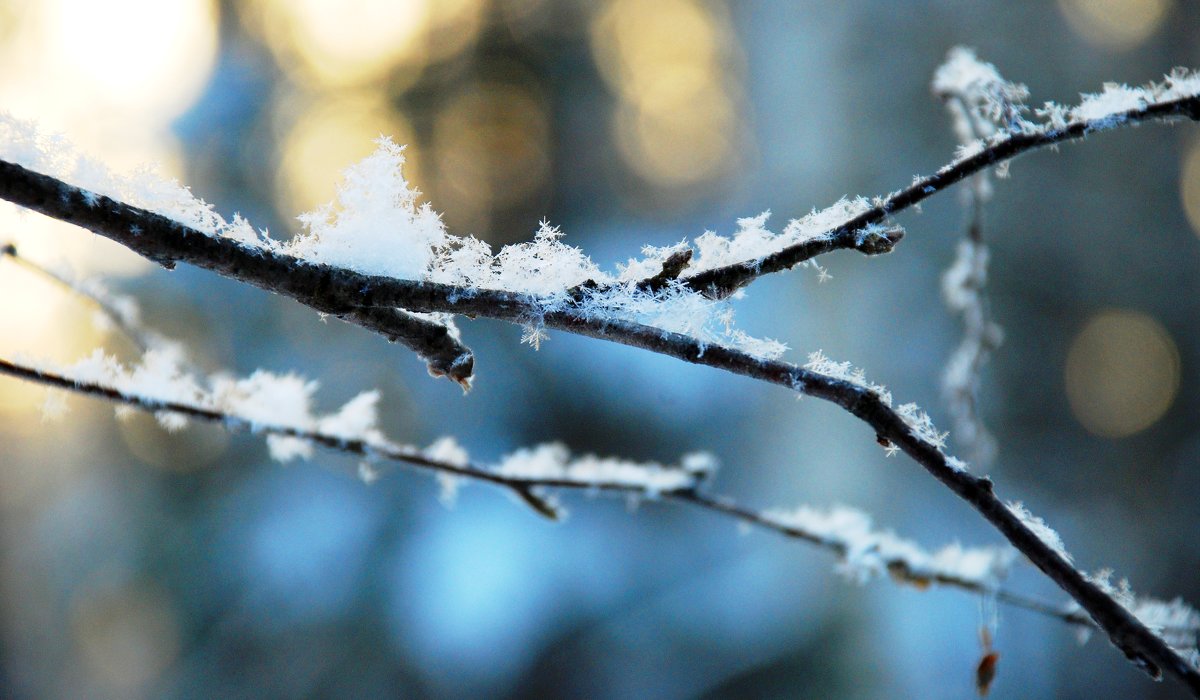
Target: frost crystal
[(262, 399), (1106, 106), (1176, 622), (919, 423), (21, 142), (1039, 527), (867, 553), (984, 101), (553, 462), (377, 226)]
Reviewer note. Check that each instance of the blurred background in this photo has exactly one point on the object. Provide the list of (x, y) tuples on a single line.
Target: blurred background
[(134, 563)]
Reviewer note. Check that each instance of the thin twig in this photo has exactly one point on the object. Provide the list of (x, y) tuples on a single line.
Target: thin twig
[(433, 342), (963, 287), (526, 488), (121, 321), (336, 290), (723, 281)]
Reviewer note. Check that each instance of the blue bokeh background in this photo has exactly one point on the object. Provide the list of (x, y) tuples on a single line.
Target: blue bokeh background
[(139, 564)]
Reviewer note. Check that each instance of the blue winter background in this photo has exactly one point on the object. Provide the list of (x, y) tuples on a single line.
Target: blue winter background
[(134, 563)]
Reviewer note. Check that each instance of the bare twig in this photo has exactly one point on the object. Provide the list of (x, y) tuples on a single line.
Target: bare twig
[(433, 342), (123, 320)]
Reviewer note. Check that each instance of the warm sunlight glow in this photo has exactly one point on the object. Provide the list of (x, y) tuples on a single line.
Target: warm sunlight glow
[(492, 146), (666, 62), (139, 57), (126, 634), (658, 55), (331, 134), (354, 42), (682, 148), (38, 318)]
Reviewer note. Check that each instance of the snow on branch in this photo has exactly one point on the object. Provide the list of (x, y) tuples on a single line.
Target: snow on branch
[(919, 423), (1012, 133), (433, 339), (867, 553), (165, 233), (337, 290), (280, 407), (529, 473), (1175, 621), (980, 103)]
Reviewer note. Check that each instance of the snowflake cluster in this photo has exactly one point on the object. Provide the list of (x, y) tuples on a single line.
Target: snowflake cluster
[(1176, 622), (993, 109), (919, 423), (262, 399), (867, 553)]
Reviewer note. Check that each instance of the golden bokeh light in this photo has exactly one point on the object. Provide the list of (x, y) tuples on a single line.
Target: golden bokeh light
[(657, 54), (143, 61), (38, 319), (1189, 186), (329, 135), (126, 635), (61, 245), (1122, 373), (667, 62), (356, 42), (491, 143), (1115, 24), (678, 149)]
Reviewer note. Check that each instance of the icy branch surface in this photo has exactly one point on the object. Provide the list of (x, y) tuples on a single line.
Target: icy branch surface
[(23, 143), (868, 553), (553, 463), (919, 423), (1176, 622)]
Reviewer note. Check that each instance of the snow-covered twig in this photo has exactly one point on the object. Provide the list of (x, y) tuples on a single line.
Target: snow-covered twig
[(334, 290), (864, 552), (980, 103), (1178, 96), (339, 289)]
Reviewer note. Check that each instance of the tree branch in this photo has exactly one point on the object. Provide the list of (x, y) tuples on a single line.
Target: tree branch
[(963, 284), (334, 290), (900, 569), (342, 292), (433, 342), (723, 281)]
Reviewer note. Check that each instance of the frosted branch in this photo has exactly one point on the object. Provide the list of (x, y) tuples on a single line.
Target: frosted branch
[(980, 103), (863, 551), (335, 290), (544, 272), (1177, 96)]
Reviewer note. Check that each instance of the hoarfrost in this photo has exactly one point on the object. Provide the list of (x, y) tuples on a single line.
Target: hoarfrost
[(867, 553)]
